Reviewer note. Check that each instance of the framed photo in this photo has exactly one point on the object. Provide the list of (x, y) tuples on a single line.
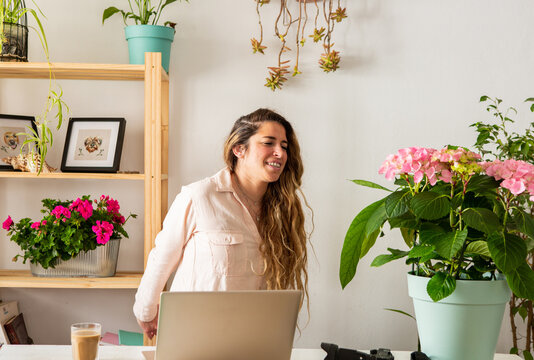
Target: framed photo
[(11, 138), (93, 145)]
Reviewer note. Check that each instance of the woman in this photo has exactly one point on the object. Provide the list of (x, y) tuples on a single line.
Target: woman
[(241, 229)]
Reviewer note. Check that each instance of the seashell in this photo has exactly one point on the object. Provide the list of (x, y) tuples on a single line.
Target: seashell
[(28, 163)]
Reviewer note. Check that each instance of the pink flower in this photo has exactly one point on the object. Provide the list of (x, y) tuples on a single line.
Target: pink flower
[(119, 219), (6, 225), (113, 206), (85, 208), (103, 231), (35, 225), (517, 175), (43, 223), (60, 210)]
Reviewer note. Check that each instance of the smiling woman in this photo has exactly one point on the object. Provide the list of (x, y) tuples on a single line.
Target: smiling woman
[(241, 229)]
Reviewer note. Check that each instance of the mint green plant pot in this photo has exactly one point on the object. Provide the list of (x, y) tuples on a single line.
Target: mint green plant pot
[(149, 38), (464, 325)]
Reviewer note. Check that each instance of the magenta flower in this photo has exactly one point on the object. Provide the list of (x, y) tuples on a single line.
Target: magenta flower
[(60, 210), (6, 225), (119, 219), (35, 225), (113, 206), (85, 208), (103, 231)]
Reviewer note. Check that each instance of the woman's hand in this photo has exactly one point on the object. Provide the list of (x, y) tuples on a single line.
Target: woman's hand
[(150, 328)]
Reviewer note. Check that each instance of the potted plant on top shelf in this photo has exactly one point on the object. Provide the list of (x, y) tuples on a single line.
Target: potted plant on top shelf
[(146, 35), (464, 236)]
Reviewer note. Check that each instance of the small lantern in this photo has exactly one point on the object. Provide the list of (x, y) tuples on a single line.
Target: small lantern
[(14, 32)]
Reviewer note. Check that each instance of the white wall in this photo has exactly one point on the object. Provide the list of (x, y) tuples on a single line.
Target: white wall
[(411, 75)]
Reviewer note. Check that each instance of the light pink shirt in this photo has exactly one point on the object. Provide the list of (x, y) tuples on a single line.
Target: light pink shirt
[(211, 241)]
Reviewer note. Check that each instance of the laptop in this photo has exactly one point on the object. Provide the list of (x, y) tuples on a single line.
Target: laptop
[(226, 325)]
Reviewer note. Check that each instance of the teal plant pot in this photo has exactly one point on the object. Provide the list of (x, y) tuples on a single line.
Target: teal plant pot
[(149, 38), (464, 325)]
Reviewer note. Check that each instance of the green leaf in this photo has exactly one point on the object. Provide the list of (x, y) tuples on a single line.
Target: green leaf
[(397, 203), (521, 281), (524, 221), (482, 184), (384, 259), (430, 206), (407, 235), (400, 312), (109, 12), (448, 244), (352, 246), (369, 184), (479, 247), (484, 98), (514, 350), (481, 219), (527, 355), (440, 286), (372, 229), (508, 252), (421, 251), (523, 312), (407, 221)]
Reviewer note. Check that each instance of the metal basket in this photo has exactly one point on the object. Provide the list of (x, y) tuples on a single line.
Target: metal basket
[(100, 262)]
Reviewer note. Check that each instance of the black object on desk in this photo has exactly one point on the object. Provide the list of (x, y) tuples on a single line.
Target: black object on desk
[(333, 352)]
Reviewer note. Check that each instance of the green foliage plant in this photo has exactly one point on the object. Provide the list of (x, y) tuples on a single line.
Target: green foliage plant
[(325, 14), (457, 218), (11, 11), (66, 229), (496, 141), (142, 12)]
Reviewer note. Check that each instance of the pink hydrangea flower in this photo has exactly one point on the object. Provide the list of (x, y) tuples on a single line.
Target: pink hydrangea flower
[(517, 175), (103, 231), (6, 225), (35, 225)]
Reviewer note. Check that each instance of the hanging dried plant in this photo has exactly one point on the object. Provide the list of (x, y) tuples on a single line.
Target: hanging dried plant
[(329, 59)]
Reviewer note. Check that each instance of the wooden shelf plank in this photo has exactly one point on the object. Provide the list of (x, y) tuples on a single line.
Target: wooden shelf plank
[(60, 175), (24, 279), (32, 70)]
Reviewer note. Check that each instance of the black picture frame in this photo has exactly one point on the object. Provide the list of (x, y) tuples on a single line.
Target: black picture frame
[(11, 126), (93, 145)]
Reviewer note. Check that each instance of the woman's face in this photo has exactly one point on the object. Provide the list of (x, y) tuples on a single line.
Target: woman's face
[(266, 156)]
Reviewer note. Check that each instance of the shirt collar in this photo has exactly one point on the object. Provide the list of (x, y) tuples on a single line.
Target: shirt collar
[(223, 180)]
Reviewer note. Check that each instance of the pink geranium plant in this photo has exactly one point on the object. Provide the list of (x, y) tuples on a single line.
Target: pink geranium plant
[(457, 215), (67, 227)]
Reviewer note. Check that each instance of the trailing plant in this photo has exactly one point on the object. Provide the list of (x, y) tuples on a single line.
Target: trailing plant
[(66, 229), (497, 141), (457, 216), (288, 18), (143, 12), (11, 11)]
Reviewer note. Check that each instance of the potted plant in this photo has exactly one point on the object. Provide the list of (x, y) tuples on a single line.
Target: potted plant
[(497, 141), (295, 15), (13, 15), (68, 231), (464, 235), (146, 35)]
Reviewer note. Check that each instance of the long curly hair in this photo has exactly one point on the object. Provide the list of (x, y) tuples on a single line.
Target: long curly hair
[(281, 225)]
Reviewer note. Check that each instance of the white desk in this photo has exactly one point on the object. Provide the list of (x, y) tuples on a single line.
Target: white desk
[(63, 352)]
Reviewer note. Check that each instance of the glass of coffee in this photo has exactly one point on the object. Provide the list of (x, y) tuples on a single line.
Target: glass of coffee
[(85, 338)]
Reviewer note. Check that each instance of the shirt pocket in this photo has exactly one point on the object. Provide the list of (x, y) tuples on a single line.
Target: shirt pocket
[(228, 253)]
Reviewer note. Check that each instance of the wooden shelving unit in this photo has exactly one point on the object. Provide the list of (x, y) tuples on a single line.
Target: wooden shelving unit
[(154, 176)]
